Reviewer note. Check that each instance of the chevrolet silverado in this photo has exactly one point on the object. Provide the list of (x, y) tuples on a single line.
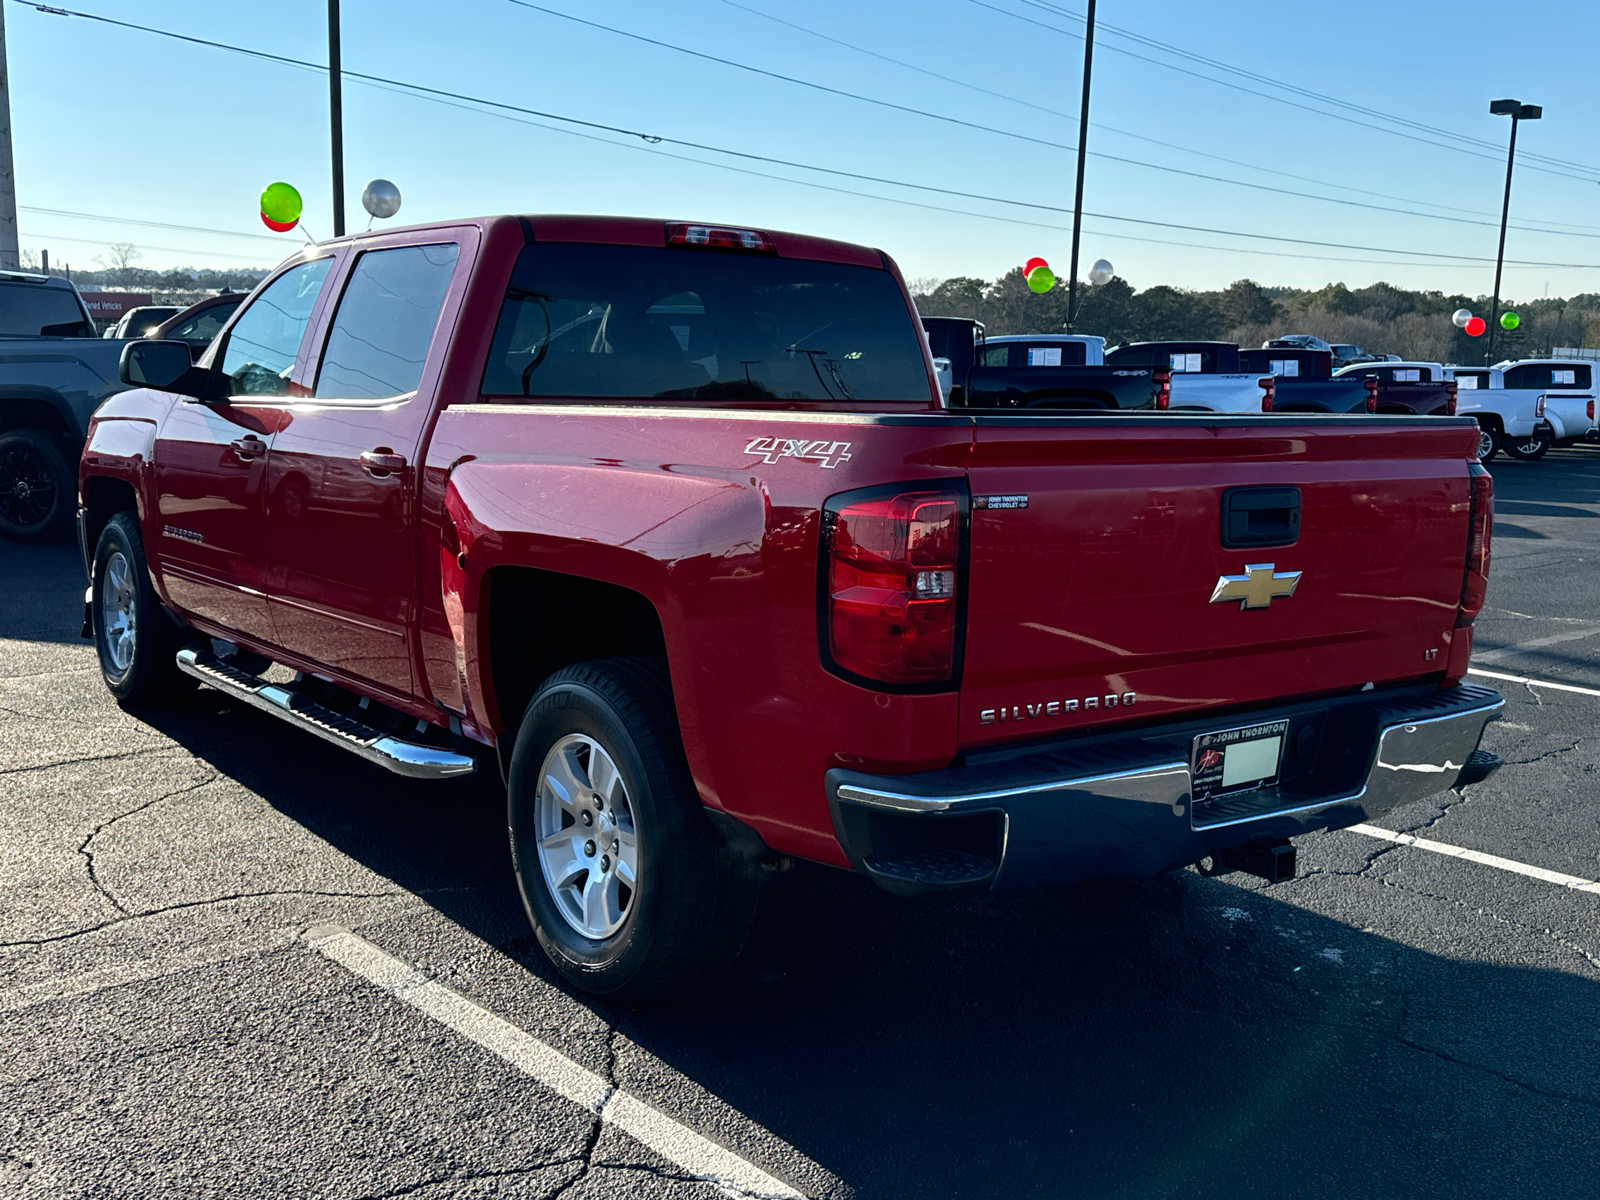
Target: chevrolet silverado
[(671, 523)]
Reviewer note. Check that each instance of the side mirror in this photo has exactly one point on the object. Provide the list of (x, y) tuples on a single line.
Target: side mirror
[(166, 366)]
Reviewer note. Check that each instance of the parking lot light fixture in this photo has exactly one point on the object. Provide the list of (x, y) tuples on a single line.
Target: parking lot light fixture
[(1517, 111)]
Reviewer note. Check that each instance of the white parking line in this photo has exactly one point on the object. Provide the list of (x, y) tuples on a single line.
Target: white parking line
[(1489, 860), (672, 1140), (1559, 687)]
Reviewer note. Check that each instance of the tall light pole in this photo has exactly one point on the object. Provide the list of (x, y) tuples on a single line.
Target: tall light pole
[(1083, 150), (336, 116), (1517, 111), (10, 249)]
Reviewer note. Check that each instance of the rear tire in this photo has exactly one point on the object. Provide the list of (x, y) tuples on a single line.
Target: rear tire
[(631, 892), (1488, 443), (1531, 447), (37, 488), (135, 637)]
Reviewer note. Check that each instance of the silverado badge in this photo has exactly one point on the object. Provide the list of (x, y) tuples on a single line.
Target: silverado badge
[(1258, 587)]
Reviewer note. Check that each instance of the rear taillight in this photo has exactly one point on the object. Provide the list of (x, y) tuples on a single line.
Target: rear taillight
[(1372, 394), (1538, 407), (1479, 529), (1163, 390), (1269, 392), (892, 581), (717, 237), (1591, 410), (1450, 402)]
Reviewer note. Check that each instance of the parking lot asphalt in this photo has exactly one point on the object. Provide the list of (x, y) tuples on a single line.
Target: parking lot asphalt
[(1396, 1022)]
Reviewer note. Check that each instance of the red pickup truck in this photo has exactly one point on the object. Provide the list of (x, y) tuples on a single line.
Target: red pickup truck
[(671, 521)]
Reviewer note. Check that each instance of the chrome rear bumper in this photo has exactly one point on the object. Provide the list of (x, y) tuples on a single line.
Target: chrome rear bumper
[(1121, 804)]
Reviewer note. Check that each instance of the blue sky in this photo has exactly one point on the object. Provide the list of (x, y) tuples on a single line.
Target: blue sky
[(118, 123)]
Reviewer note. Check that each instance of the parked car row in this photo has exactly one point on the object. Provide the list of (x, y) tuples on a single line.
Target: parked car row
[(1522, 408)]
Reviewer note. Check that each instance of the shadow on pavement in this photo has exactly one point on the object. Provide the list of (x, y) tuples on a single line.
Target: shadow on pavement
[(41, 599), (1171, 1037)]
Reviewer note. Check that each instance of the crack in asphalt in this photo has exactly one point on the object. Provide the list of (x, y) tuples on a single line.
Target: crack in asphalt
[(597, 1121), (187, 904), (456, 1177), (88, 854), (89, 758), (1524, 762)]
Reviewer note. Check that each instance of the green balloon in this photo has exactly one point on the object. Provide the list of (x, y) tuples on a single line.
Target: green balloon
[(1041, 279), (1509, 320), (281, 202)]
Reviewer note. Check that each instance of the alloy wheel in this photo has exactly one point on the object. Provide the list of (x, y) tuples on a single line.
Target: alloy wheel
[(27, 489), (587, 841), (119, 613)]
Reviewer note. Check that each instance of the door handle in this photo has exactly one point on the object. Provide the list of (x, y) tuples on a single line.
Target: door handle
[(249, 447), (383, 461)]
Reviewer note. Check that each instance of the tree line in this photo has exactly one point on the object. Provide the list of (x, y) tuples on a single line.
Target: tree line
[(1381, 318)]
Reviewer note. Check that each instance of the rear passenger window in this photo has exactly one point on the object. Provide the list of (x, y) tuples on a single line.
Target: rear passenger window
[(1543, 375), (380, 337), (265, 341)]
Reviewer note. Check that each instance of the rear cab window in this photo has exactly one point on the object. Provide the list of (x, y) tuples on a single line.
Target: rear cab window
[(582, 320), (1549, 375), (1035, 354), (378, 343), (40, 310)]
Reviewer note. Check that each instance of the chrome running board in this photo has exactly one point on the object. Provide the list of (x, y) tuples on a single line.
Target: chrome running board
[(281, 700)]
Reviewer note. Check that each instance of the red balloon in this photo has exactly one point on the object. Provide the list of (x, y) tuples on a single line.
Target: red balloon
[(277, 226), (1475, 327), (1032, 263)]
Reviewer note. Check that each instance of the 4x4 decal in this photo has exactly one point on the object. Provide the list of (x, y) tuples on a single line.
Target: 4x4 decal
[(828, 454)]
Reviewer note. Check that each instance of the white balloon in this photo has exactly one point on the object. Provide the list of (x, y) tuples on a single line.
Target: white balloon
[(1101, 272), (1461, 316), (381, 198)]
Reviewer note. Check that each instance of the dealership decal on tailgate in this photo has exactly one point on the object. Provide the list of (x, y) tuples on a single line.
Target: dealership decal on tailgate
[(1237, 759)]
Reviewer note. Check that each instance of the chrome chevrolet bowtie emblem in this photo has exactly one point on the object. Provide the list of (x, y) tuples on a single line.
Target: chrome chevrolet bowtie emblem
[(1258, 587)]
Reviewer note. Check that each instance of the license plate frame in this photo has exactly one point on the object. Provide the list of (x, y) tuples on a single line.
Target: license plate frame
[(1208, 759)]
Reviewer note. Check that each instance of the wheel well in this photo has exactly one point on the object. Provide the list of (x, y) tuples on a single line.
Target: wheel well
[(1490, 421), (35, 412), (103, 499), (541, 621)]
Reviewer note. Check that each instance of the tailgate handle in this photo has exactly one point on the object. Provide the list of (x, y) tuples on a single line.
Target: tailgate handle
[(1260, 516)]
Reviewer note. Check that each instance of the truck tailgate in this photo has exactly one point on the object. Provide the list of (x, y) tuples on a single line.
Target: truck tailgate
[(1096, 548)]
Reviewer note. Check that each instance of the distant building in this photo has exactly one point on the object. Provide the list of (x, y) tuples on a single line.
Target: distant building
[(107, 307)]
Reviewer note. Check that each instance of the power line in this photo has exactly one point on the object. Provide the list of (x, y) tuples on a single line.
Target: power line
[(62, 212), (1268, 96), (53, 237), (750, 156), (1218, 64), (1145, 137), (1262, 187)]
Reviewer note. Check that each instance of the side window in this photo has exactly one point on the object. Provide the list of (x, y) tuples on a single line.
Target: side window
[(1528, 377), (380, 336), (997, 356), (261, 350)]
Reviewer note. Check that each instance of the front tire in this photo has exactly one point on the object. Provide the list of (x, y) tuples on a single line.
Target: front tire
[(37, 488), (133, 634), (1531, 447), (631, 892)]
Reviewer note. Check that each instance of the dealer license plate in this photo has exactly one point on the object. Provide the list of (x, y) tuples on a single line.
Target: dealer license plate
[(1237, 760)]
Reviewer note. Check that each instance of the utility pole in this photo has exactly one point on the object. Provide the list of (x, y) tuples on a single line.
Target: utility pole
[(336, 116), (10, 248), (1517, 111), (1083, 150)]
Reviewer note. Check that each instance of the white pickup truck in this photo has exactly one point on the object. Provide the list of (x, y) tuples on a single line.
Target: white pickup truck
[(1206, 376), (1527, 406)]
